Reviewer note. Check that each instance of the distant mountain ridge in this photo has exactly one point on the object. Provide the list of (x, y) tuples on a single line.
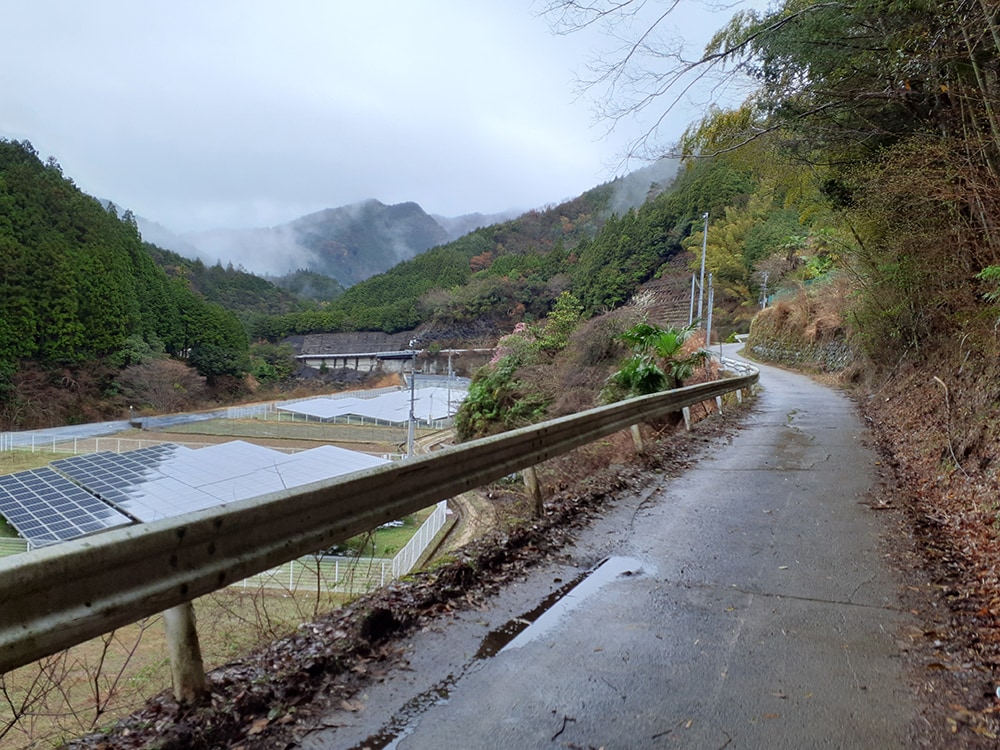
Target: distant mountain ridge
[(355, 242), (350, 243)]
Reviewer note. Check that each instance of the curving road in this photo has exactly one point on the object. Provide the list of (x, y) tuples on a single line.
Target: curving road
[(743, 605)]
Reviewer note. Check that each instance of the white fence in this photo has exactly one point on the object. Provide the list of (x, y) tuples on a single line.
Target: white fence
[(351, 575), (327, 574), (76, 446), (407, 558)]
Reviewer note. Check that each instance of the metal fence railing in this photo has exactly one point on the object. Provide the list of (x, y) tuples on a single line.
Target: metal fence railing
[(325, 574), (78, 446), (407, 557), (12, 546)]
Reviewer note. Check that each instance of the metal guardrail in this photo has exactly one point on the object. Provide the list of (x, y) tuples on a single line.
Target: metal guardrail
[(62, 595)]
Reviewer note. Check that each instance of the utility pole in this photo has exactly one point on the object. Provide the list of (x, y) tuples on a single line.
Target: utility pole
[(694, 280), (711, 302), (701, 281), (451, 377), (413, 386)]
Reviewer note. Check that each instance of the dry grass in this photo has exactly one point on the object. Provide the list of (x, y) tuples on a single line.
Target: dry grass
[(89, 686), (14, 461)]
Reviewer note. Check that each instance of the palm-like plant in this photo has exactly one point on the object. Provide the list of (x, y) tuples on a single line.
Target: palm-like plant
[(658, 361)]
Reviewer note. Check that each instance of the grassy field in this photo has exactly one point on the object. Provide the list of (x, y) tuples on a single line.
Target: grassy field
[(12, 461), (367, 438), (386, 542)]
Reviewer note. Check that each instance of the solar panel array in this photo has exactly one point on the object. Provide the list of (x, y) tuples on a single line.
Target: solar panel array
[(430, 404), (46, 507), (88, 493), (110, 475)]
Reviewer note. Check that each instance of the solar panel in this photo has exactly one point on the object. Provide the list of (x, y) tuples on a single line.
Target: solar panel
[(429, 404), (152, 485), (84, 494), (115, 477), (294, 470), (45, 507)]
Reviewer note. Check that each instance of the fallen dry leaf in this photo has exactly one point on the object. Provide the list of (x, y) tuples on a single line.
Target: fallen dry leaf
[(352, 706)]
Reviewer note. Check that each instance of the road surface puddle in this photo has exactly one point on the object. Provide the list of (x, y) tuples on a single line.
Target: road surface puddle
[(515, 633)]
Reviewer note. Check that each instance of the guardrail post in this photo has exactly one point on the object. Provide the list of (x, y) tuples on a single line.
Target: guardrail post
[(718, 403), (534, 490), (186, 666), (686, 411), (637, 439)]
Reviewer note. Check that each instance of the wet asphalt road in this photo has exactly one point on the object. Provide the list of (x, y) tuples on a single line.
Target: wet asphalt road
[(745, 604)]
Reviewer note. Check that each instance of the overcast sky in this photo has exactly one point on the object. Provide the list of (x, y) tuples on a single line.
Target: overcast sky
[(239, 113)]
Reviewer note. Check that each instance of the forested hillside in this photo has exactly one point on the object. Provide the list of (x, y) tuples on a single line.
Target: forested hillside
[(243, 292), (81, 299), (515, 270), (497, 272)]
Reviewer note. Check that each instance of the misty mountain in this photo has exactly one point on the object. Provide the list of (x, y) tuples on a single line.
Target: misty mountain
[(635, 188), (353, 243), (159, 235), (459, 226), (349, 244)]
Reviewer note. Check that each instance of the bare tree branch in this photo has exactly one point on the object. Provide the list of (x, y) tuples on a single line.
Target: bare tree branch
[(627, 81)]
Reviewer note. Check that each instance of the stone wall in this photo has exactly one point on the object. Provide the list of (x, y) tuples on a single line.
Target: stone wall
[(830, 356)]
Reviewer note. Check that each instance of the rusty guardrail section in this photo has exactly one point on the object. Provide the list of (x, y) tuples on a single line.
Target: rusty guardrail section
[(59, 596)]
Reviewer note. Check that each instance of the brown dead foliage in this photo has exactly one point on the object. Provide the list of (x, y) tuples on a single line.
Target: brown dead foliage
[(43, 397), (937, 424), (810, 316)]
